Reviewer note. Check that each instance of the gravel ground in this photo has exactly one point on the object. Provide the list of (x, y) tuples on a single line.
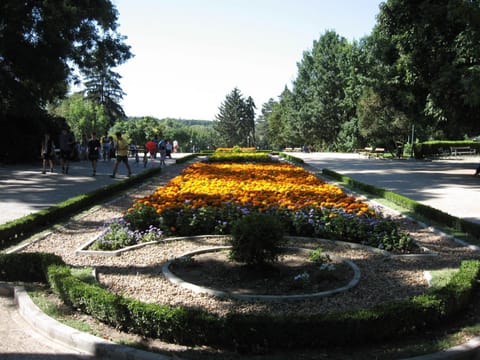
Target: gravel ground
[(137, 273)]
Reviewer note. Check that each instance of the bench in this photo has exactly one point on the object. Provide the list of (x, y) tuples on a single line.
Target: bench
[(371, 151), (462, 150), (365, 151)]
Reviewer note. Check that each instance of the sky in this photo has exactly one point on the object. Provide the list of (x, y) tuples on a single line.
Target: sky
[(190, 54)]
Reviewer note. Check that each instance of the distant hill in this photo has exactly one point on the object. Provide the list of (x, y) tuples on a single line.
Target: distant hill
[(191, 122), (177, 122)]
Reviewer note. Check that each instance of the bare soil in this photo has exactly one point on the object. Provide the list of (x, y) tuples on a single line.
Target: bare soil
[(292, 274)]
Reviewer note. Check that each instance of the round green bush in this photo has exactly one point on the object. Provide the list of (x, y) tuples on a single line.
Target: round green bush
[(256, 239)]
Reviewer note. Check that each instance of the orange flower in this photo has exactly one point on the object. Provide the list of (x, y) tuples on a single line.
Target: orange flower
[(262, 185)]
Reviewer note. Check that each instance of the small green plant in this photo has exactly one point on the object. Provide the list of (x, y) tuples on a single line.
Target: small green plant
[(319, 257), (256, 239)]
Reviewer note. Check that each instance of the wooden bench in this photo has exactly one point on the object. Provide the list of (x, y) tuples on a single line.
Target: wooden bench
[(365, 151), (371, 151), (462, 150)]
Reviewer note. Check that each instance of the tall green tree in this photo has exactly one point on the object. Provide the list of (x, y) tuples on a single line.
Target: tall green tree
[(43, 42), (82, 115), (324, 90), (434, 53), (102, 84), (281, 118), (44, 45), (235, 121)]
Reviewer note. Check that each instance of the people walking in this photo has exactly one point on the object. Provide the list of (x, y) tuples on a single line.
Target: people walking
[(66, 143), (106, 147), (47, 152), (151, 146), (169, 148), (162, 149), (93, 150), (121, 146)]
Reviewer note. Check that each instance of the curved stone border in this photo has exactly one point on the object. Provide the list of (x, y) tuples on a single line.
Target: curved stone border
[(82, 249), (200, 289), (81, 341)]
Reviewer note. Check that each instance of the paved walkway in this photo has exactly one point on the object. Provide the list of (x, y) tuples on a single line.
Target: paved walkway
[(447, 185), (24, 189)]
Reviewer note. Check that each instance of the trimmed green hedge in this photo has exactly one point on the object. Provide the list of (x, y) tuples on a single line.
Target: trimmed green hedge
[(432, 148), (426, 211), (252, 332), (14, 231), (291, 158)]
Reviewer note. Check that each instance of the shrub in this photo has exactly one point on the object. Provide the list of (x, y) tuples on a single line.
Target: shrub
[(256, 239), (142, 216)]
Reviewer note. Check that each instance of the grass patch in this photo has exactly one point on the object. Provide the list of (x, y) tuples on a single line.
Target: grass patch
[(441, 277), (52, 306)]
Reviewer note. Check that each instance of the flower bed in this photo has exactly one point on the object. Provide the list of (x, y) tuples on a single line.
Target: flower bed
[(208, 197)]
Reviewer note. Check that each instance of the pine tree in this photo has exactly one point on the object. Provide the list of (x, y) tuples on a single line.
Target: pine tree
[(235, 122)]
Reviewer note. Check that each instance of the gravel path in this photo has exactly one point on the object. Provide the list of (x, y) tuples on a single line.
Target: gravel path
[(137, 273)]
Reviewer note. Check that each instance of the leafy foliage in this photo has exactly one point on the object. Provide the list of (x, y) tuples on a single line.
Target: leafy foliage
[(235, 120), (256, 239), (42, 39)]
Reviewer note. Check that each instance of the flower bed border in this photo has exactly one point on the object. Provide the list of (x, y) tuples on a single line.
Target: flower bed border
[(174, 279)]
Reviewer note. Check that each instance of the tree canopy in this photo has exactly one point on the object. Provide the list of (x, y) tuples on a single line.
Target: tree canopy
[(419, 67), (235, 121), (44, 47)]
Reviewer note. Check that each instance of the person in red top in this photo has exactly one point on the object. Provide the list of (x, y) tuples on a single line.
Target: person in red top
[(151, 146)]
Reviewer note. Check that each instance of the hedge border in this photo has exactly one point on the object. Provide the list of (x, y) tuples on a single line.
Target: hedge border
[(14, 231), (248, 332), (425, 211)]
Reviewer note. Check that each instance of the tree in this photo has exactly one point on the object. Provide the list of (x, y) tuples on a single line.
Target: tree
[(82, 115), (324, 90), (235, 122), (434, 51), (281, 123), (102, 83), (380, 123), (43, 46), (41, 41)]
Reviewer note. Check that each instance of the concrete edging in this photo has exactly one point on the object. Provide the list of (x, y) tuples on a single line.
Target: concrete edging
[(222, 294), (70, 337)]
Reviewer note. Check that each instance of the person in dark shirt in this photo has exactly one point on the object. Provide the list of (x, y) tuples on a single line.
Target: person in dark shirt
[(66, 144), (93, 149), (47, 152)]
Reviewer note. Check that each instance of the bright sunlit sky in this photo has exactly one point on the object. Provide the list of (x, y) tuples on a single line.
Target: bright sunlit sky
[(189, 54)]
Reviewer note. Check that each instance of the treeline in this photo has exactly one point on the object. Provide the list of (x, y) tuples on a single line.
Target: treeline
[(190, 134), (417, 74)]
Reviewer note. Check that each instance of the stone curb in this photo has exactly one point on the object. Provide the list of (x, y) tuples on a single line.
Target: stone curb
[(222, 294), (75, 339)]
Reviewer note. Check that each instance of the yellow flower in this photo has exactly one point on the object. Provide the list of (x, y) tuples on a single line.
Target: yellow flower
[(263, 185)]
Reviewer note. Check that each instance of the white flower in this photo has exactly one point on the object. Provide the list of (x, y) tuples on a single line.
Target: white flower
[(303, 276)]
